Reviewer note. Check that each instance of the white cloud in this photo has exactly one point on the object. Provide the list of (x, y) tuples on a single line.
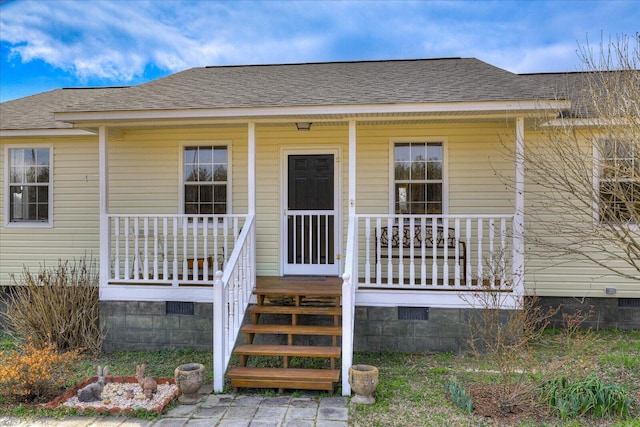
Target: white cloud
[(118, 40)]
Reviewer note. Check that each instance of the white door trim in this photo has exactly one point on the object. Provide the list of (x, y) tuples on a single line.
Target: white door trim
[(285, 152)]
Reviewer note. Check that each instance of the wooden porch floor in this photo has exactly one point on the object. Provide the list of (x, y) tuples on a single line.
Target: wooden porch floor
[(299, 285)]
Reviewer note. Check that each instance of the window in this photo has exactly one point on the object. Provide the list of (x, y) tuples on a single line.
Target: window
[(206, 182), (418, 174), (620, 182), (30, 185)]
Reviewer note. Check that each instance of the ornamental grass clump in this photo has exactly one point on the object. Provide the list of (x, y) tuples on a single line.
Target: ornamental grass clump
[(459, 396), (591, 396), (57, 305), (31, 373)]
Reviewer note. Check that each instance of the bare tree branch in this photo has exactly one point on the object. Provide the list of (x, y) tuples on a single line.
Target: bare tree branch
[(583, 168)]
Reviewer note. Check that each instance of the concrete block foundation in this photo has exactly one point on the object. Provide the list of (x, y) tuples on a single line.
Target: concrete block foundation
[(148, 326), (137, 325)]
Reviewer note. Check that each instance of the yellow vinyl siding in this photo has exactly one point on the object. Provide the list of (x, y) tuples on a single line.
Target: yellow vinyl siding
[(144, 167), (75, 231), (553, 275), (144, 178), (473, 154), (270, 143)]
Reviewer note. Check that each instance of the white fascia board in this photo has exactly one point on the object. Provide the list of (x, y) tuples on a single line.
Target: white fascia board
[(584, 122), (425, 298), (346, 110), (39, 133), (155, 293)]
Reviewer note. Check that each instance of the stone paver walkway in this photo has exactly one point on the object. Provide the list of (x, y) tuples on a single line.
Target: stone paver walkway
[(221, 410)]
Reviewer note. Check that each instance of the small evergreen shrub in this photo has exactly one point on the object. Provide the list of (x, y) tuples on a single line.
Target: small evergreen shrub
[(590, 396), (31, 372)]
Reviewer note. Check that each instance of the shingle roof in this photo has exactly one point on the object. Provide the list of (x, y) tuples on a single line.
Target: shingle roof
[(572, 86), (36, 111), (318, 84), (314, 84)]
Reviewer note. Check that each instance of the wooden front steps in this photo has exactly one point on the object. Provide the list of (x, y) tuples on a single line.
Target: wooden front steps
[(311, 309), (284, 378)]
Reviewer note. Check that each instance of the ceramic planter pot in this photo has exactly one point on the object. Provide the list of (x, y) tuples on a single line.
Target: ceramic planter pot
[(363, 380), (189, 378)]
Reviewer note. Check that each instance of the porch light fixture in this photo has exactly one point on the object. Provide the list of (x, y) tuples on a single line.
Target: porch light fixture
[(303, 125)]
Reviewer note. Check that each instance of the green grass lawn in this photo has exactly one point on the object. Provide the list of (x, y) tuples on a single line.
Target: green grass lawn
[(411, 386), (411, 390)]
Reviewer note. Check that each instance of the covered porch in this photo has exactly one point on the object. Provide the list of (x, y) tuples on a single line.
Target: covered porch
[(383, 259)]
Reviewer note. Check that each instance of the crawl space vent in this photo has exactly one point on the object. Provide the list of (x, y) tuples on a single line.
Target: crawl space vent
[(178, 307), (413, 313), (629, 302)]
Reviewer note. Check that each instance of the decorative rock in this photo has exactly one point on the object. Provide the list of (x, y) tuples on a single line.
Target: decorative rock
[(127, 397)]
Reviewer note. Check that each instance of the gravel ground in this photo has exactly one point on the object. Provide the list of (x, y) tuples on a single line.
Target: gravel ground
[(127, 396)]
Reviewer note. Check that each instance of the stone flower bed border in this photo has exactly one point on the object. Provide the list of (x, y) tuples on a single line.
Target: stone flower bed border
[(58, 401)]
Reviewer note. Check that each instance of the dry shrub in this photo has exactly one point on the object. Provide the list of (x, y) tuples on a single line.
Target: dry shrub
[(508, 336), (57, 305), (32, 372), (505, 335)]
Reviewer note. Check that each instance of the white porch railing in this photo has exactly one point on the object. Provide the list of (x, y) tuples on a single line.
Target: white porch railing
[(434, 252), (231, 294), (170, 249), (422, 253)]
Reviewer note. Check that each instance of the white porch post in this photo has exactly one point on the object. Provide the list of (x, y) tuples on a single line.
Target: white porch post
[(518, 218), (352, 167), (251, 166), (219, 339), (252, 188), (349, 278), (103, 169)]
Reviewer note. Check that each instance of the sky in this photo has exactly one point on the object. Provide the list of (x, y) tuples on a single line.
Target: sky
[(49, 44)]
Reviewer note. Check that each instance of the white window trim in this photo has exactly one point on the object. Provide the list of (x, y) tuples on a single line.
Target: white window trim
[(7, 211), (598, 164), (445, 168), (208, 143)]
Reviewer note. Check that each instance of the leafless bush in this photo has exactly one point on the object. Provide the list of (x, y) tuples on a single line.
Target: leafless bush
[(583, 166), (504, 325), (58, 305), (506, 334), (507, 328)]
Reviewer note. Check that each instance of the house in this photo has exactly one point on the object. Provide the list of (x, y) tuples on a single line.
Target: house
[(387, 176)]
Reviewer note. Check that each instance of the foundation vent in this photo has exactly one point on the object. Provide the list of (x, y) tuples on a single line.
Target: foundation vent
[(178, 307), (413, 313), (629, 302)]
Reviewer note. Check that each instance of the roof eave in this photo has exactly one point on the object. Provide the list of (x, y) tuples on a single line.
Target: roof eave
[(41, 133), (586, 122), (514, 107)]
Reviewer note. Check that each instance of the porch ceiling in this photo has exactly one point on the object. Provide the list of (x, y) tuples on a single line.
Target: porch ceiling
[(185, 120)]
